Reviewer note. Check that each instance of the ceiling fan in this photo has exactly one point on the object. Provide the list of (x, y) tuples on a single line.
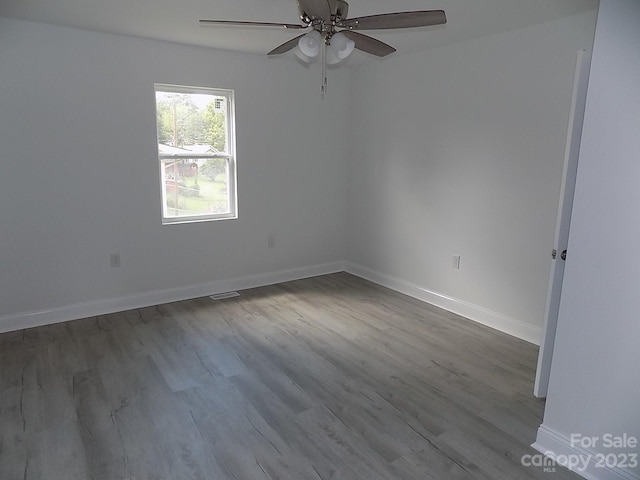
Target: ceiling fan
[(335, 35)]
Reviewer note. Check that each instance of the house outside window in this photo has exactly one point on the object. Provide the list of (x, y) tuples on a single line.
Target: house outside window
[(196, 151)]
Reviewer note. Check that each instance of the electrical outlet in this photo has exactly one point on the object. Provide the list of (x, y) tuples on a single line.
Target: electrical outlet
[(115, 260), (271, 240), (455, 261)]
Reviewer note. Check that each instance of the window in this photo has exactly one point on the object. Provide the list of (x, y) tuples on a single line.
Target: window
[(196, 150)]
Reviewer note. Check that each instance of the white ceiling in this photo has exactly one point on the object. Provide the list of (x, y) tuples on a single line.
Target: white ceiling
[(177, 20)]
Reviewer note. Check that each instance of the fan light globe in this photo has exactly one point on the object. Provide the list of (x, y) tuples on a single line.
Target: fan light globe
[(302, 56), (309, 44), (342, 45), (331, 57)]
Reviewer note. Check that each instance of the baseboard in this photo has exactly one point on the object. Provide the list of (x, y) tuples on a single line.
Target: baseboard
[(558, 446), (481, 315), (468, 310), (38, 318)]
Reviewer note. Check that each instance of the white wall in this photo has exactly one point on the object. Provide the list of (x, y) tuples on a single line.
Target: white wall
[(459, 150), (79, 173), (594, 385)]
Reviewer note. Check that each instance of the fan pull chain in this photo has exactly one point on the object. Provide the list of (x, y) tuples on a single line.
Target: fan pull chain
[(323, 88)]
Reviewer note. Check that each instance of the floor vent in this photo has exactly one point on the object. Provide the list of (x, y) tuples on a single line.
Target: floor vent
[(222, 296)]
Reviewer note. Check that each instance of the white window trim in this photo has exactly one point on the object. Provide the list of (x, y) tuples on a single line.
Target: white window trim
[(230, 156)]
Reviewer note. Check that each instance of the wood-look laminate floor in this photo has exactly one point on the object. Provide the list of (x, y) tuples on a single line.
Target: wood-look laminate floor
[(325, 378)]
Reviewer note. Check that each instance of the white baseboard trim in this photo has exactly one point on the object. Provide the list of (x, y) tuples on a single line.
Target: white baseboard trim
[(468, 310), (481, 315), (558, 446), (38, 318)]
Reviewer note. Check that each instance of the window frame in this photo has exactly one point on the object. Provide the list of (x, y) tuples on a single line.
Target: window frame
[(229, 155)]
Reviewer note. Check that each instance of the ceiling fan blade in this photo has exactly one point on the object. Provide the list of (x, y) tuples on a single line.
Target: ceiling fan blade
[(252, 24), (423, 18), (317, 9), (369, 44), (286, 46)]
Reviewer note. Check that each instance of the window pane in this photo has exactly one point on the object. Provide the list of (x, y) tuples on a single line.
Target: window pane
[(195, 187), (195, 122)]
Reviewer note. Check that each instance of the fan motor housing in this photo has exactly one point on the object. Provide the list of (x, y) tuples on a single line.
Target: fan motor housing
[(339, 9)]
